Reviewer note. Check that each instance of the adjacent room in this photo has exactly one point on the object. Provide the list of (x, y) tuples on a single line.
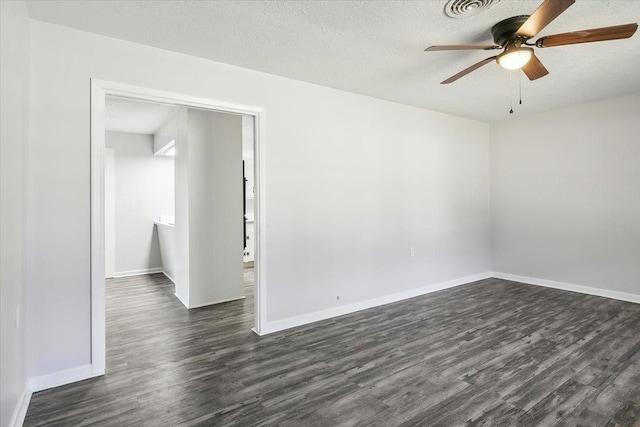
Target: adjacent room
[(309, 213), (168, 249), (139, 189)]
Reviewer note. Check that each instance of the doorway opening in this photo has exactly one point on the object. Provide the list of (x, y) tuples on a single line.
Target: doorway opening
[(198, 226)]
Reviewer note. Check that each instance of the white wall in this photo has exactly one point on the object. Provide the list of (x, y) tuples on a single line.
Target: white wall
[(167, 133), (215, 207), (352, 183), (182, 206), (144, 190), (14, 80), (109, 213), (565, 195)]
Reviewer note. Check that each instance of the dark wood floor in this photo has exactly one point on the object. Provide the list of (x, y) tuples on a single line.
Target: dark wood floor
[(494, 353)]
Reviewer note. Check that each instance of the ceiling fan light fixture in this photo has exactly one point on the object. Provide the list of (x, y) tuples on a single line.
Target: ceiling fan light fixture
[(515, 58)]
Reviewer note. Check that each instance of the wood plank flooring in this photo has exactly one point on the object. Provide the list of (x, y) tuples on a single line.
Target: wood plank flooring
[(493, 353)]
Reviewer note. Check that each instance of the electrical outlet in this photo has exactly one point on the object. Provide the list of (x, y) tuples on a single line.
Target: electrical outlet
[(413, 251), (17, 317)]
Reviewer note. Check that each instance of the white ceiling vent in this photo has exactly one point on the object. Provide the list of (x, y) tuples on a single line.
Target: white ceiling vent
[(466, 8)]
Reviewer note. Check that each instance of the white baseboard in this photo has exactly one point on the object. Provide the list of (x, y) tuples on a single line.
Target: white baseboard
[(185, 303), (169, 277), (217, 302), (138, 272), (20, 411), (623, 296), (304, 319), (61, 378)]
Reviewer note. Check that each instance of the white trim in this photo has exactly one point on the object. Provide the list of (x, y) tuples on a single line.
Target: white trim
[(20, 411), (185, 303), (304, 319), (260, 249), (209, 303), (168, 277), (64, 377), (217, 302), (99, 90), (622, 296), (98, 314), (140, 272)]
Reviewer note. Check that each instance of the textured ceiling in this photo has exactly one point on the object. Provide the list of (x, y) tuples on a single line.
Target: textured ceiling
[(128, 115), (376, 47)]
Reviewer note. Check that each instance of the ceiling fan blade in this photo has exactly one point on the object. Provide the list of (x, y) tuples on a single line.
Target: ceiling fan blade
[(544, 14), (462, 47), (586, 36), (534, 68), (468, 70)]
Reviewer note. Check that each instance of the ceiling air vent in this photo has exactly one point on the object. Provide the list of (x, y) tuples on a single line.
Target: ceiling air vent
[(465, 8)]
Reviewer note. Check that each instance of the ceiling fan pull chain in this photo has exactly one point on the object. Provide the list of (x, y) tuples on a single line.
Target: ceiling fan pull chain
[(520, 84), (510, 93)]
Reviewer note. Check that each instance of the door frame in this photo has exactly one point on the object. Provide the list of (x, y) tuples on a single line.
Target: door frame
[(99, 90)]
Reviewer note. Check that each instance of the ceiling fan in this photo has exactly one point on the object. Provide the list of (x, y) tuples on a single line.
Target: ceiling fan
[(512, 35)]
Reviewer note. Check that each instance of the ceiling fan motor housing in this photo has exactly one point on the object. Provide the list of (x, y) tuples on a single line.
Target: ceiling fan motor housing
[(505, 31)]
